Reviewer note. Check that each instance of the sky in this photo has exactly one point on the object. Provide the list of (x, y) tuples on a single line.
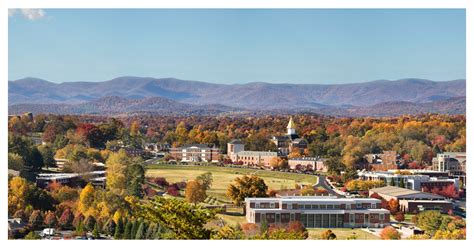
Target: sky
[(317, 46)]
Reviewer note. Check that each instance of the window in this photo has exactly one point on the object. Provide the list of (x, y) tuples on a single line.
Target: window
[(330, 206), (272, 205), (381, 217), (351, 218), (359, 205), (373, 205), (292, 216), (315, 206), (337, 206), (322, 206), (257, 205)]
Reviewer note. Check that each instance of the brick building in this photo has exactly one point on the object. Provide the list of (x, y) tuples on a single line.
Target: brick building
[(313, 163), (196, 153), (255, 157), (388, 160), (318, 211), (411, 201)]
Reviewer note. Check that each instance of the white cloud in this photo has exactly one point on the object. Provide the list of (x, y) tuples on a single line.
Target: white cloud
[(30, 14)]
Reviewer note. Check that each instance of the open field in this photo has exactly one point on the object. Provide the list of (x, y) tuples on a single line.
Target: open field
[(223, 176), (341, 233)]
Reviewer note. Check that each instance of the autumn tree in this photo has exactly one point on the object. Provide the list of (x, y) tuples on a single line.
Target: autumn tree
[(307, 191), (228, 233), (48, 155), (86, 200), (36, 219), (205, 180), (390, 233), (186, 221), (66, 219), (246, 186), (50, 219), (195, 192)]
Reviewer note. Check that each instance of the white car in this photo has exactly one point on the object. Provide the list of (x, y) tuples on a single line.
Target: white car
[(47, 232)]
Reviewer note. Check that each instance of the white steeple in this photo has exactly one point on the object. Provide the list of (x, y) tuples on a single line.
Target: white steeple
[(291, 127)]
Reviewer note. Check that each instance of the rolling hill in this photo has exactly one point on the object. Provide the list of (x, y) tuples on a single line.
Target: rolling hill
[(145, 94)]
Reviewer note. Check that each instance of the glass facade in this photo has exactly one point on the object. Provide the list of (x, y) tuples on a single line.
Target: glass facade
[(322, 220)]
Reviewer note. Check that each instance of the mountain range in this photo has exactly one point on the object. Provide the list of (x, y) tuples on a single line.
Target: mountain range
[(170, 95)]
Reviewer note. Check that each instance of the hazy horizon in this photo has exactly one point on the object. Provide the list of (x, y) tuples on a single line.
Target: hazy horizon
[(251, 82)]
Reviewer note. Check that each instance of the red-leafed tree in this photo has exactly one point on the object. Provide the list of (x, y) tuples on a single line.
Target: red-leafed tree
[(450, 192), (393, 206), (50, 219), (65, 221), (399, 216)]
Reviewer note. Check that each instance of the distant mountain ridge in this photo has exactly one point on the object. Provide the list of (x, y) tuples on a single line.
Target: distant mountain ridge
[(170, 94)]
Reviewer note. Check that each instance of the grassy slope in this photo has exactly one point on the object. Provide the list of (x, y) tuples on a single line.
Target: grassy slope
[(223, 176)]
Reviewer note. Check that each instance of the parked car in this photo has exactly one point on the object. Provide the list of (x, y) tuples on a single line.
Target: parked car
[(47, 232)]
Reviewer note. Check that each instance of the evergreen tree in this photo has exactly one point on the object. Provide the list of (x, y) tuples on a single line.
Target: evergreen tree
[(141, 231), (264, 225), (80, 227), (392, 182), (95, 232), (128, 230), (150, 231), (134, 230), (402, 183), (109, 227), (119, 229)]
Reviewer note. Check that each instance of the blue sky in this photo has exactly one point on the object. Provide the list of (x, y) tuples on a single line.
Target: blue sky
[(238, 46)]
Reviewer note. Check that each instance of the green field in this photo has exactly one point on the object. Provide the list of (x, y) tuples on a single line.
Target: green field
[(341, 233), (223, 176)]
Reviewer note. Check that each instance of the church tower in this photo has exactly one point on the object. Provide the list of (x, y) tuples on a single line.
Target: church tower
[(291, 127)]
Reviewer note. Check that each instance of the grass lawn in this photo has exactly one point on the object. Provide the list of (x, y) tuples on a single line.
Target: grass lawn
[(232, 219), (223, 176), (341, 233)]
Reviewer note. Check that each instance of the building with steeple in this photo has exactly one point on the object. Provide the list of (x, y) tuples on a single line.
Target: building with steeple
[(286, 143)]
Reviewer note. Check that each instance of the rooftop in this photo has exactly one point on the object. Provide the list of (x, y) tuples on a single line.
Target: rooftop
[(398, 192)]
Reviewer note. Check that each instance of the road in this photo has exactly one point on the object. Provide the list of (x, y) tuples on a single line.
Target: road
[(322, 183)]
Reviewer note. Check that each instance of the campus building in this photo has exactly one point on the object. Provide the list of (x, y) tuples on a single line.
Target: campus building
[(196, 153), (96, 178), (290, 141), (387, 160), (412, 201), (452, 162), (408, 181), (237, 153), (318, 211), (307, 163), (255, 157)]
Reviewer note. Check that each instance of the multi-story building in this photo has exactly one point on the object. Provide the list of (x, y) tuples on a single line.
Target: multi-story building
[(387, 160), (287, 143), (408, 181), (452, 162), (318, 211), (233, 147), (255, 157), (312, 163), (413, 201), (196, 153), (96, 178)]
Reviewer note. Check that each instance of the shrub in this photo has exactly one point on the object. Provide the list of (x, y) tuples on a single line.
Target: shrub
[(328, 235), (390, 233)]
